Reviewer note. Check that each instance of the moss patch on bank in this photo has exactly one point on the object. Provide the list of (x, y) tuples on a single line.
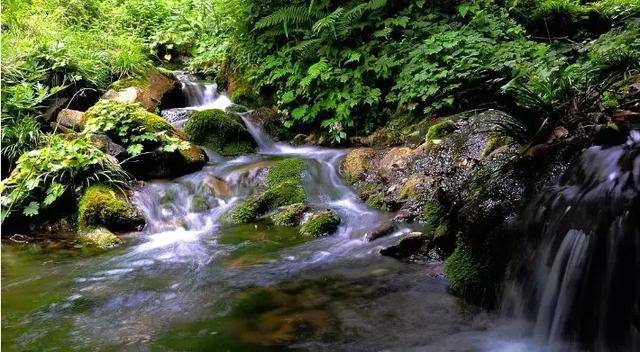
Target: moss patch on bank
[(219, 131)]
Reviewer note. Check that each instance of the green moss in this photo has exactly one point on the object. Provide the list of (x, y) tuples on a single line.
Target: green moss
[(609, 100), (219, 131), (247, 211), (320, 224), (441, 230), (285, 170), (495, 141), (376, 201), (103, 206), (440, 129), (289, 215), (99, 237), (284, 187), (199, 204), (432, 213), (472, 272), (154, 123)]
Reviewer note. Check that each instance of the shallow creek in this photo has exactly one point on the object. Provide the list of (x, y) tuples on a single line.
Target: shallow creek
[(188, 282)]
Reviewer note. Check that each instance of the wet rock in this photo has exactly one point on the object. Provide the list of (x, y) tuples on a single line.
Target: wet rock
[(99, 237), (102, 206), (395, 159), (381, 230), (271, 121), (177, 117), (322, 223), (108, 146), (356, 164), (414, 243), (219, 131), (71, 119)]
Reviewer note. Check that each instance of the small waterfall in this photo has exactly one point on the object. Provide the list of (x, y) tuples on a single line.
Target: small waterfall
[(202, 95), (580, 285), (198, 96)]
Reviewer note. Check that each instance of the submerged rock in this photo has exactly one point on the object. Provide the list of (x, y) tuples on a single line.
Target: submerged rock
[(219, 131), (102, 206), (99, 237)]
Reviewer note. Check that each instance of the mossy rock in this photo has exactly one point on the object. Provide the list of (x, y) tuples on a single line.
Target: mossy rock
[(356, 164), (440, 130), (102, 206), (284, 187), (247, 211), (289, 215), (99, 237), (472, 272), (286, 170), (432, 213), (320, 224), (219, 131)]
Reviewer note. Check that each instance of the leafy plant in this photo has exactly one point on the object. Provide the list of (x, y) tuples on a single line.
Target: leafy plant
[(43, 175), (133, 127)]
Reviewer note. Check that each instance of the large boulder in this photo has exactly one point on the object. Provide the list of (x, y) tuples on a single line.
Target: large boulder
[(222, 132), (104, 206), (355, 164)]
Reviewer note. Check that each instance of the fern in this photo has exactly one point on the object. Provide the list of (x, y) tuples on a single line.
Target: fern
[(328, 21), (284, 16), (314, 71)]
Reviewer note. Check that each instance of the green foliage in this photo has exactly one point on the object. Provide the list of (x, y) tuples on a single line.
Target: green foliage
[(43, 175), (219, 131), (320, 224), (130, 125), (103, 206)]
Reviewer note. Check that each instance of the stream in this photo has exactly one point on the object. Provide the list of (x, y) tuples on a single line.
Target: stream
[(190, 282)]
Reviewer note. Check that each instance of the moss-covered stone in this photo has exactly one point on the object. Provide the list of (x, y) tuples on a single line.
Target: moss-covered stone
[(147, 88), (494, 142), (219, 131), (99, 237), (320, 224), (472, 272), (247, 211), (289, 215), (285, 170), (356, 164), (284, 187), (102, 206), (432, 213), (440, 129), (376, 201)]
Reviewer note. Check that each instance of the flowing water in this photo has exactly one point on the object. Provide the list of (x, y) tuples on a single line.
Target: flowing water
[(190, 282)]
